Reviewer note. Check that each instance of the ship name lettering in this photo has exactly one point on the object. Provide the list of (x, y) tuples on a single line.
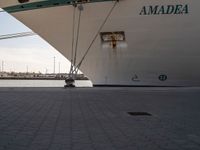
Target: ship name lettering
[(165, 9)]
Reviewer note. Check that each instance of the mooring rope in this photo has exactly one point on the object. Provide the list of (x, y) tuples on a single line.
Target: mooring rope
[(16, 35), (73, 35), (2, 11), (80, 7), (95, 37)]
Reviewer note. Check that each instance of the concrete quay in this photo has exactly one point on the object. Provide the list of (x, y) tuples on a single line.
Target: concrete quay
[(97, 118)]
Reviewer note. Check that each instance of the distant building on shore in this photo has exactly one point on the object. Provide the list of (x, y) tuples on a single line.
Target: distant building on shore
[(33, 75)]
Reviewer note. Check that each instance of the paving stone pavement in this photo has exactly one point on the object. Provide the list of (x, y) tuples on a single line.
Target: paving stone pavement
[(97, 119)]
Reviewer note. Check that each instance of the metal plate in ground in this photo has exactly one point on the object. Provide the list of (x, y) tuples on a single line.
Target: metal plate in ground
[(139, 114)]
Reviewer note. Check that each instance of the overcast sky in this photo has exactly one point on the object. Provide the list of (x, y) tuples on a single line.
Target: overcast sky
[(32, 52)]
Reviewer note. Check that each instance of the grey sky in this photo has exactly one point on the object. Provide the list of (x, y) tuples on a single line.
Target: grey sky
[(31, 51)]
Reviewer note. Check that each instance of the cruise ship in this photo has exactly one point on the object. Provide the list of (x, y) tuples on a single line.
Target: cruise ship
[(120, 42)]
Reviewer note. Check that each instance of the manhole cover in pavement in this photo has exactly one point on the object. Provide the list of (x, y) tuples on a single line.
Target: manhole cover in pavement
[(139, 114)]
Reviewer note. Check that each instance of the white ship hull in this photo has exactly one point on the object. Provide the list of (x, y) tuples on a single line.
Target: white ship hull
[(159, 49)]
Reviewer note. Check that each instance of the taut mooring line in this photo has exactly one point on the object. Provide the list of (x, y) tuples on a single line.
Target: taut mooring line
[(16, 35)]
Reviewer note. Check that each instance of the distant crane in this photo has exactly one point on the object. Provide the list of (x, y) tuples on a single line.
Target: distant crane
[(2, 66), (27, 68), (54, 64), (46, 71), (59, 67)]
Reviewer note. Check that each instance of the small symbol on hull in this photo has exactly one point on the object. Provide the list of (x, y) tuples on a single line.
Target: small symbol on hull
[(162, 77), (135, 78)]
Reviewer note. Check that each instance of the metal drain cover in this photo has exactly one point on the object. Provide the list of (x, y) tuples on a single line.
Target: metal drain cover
[(139, 114)]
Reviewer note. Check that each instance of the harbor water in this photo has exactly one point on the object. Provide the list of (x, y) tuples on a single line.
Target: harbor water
[(42, 83)]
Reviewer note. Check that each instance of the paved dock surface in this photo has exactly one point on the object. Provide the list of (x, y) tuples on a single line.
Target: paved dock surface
[(97, 119)]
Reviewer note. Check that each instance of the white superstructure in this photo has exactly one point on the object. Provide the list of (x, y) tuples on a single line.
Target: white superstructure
[(143, 42)]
